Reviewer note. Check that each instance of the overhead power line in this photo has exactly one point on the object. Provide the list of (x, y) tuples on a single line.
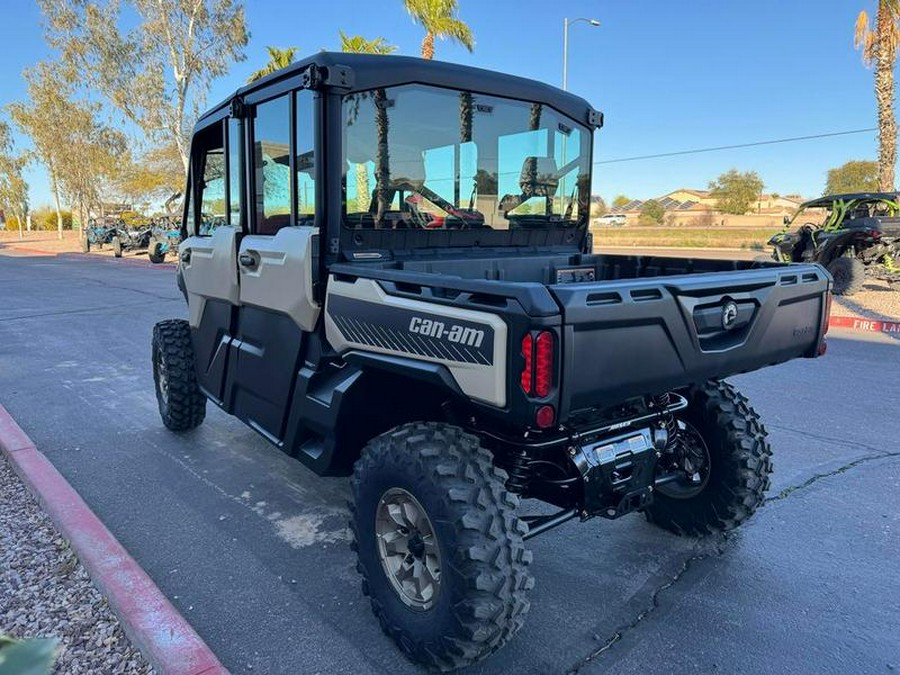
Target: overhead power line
[(735, 146)]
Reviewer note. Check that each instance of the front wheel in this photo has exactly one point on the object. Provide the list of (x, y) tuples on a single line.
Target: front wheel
[(117, 247), (439, 545), (155, 251), (724, 454), (182, 405), (85, 244)]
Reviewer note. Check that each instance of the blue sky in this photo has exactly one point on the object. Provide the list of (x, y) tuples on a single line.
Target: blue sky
[(668, 75)]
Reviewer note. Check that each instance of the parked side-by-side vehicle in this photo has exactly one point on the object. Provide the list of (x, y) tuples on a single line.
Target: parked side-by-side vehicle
[(387, 276), (852, 235)]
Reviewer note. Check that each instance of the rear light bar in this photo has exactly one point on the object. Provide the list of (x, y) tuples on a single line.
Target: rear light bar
[(543, 371), (537, 373), (528, 353)]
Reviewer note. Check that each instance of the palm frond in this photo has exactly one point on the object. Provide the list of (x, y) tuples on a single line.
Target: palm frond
[(863, 37), (360, 45), (455, 29)]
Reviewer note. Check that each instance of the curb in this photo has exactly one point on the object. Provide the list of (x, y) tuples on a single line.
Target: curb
[(865, 325), (150, 621)]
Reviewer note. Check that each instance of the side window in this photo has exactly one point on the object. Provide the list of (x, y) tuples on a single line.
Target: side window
[(271, 165), (211, 169), (235, 182), (305, 158)]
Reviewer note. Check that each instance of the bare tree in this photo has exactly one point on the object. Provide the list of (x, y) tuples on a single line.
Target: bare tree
[(158, 72)]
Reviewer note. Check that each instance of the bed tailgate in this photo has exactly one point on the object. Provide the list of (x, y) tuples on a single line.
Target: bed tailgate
[(643, 336)]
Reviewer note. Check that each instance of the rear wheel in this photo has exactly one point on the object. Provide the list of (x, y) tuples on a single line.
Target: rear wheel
[(849, 275), (117, 247), (155, 251), (724, 453), (182, 405), (439, 545)]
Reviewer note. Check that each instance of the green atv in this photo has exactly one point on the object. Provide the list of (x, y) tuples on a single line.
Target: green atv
[(858, 236)]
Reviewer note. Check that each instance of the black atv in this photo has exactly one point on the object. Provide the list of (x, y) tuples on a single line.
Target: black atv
[(858, 235)]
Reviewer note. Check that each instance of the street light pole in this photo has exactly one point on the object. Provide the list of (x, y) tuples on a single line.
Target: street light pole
[(566, 23)]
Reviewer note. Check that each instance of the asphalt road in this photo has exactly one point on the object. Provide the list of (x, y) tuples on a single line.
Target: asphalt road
[(251, 547)]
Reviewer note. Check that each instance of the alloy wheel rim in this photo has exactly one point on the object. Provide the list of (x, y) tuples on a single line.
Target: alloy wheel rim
[(408, 549), (162, 379), (693, 458)]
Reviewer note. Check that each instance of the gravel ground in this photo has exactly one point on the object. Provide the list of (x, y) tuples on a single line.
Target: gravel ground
[(877, 300), (45, 592)]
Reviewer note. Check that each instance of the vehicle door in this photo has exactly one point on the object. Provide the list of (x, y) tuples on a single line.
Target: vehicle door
[(206, 258), (275, 262)]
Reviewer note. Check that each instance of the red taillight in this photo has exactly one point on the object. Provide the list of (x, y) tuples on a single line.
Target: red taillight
[(543, 372), (545, 416), (527, 351)]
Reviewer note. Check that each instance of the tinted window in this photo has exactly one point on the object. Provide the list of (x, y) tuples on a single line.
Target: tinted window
[(212, 181), (305, 159), (271, 162), (426, 158)]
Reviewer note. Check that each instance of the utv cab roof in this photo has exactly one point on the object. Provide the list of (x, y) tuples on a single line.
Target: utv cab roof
[(829, 199), (347, 73)]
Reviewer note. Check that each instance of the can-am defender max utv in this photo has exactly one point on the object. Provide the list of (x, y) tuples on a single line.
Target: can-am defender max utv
[(402, 289)]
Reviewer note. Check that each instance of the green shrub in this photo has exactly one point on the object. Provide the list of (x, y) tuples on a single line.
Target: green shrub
[(44, 218), (652, 212)]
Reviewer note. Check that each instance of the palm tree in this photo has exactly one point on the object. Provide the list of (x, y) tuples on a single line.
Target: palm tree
[(879, 48), (360, 45), (278, 59), (357, 44), (438, 18)]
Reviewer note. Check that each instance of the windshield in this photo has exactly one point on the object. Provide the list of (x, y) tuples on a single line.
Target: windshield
[(418, 157)]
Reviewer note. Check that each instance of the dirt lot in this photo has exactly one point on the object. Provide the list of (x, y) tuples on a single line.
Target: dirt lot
[(49, 242)]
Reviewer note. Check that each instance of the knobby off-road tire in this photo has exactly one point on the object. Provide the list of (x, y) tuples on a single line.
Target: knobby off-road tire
[(740, 462), (182, 405), (849, 275), (482, 591), (117, 247), (155, 252)]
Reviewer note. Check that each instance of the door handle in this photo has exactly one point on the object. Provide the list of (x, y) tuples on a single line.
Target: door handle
[(247, 259), (185, 256)]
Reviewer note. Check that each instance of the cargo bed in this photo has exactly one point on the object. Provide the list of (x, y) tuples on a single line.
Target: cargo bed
[(626, 325)]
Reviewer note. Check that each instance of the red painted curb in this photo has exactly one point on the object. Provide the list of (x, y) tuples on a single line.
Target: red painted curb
[(867, 325), (153, 625)]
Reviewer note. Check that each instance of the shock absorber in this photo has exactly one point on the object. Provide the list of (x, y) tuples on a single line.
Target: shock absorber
[(519, 470), (662, 401)]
